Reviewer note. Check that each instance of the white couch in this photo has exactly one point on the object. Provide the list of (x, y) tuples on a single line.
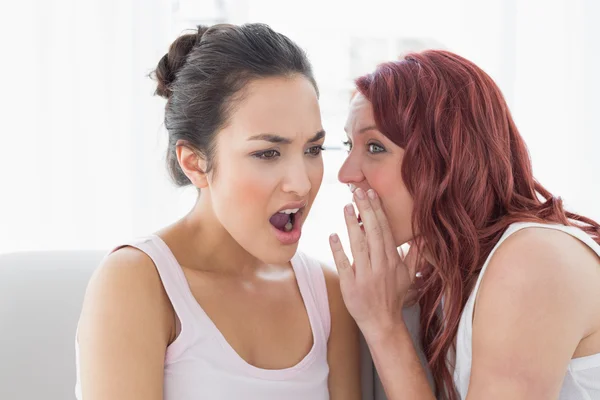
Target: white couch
[(40, 301)]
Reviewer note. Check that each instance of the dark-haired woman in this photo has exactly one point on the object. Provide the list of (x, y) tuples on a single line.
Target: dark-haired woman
[(220, 305)]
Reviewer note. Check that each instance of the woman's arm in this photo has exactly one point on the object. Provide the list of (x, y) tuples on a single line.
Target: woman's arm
[(126, 324), (530, 316), (398, 365), (343, 348), (374, 289), (530, 313), (527, 325)]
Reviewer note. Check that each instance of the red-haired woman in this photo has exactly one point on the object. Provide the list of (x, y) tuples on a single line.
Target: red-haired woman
[(435, 160)]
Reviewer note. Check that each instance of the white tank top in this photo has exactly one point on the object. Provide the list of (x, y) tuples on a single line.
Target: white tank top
[(200, 363), (582, 380)]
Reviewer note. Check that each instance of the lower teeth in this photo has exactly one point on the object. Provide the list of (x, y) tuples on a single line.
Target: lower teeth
[(288, 227)]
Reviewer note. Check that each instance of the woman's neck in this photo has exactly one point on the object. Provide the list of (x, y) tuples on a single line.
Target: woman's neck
[(199, 241)]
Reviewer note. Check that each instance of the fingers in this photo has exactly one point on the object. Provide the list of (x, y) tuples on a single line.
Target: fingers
[(372, 229), (386, 232), (358, 241), (345, 270)]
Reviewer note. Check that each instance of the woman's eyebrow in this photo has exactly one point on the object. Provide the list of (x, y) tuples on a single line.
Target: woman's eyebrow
[(274, 138)]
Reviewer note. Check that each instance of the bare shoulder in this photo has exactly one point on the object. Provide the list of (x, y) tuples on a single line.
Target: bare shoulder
[(541, 260), (535, 296), (126, 265), (125, 327), (126, 284), (126, 273)]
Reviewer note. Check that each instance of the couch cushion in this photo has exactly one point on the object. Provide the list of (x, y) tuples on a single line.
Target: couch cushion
[(40, 300)]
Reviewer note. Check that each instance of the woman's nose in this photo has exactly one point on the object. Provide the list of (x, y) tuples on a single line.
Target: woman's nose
[(297, 181), (350, 173)]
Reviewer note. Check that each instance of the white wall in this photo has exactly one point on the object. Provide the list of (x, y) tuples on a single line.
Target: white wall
[(82, 146), (556, 97)]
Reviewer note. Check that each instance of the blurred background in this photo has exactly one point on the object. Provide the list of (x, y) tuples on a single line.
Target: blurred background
[(82, 144)]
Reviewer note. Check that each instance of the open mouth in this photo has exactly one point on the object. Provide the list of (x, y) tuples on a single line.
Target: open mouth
[(284, 220)]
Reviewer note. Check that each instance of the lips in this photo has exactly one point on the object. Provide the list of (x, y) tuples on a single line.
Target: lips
[(279, 220), (291, 234)]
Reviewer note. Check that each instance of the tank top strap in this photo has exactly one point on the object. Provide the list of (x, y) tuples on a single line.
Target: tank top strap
[(311, 282), (175, 285), (513, 228), (509, 231), (463, 360)]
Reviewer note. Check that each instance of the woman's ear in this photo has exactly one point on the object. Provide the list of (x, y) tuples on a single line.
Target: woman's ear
[(192, 164)]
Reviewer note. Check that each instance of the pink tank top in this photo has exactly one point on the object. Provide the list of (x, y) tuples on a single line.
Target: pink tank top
[(200, 363)]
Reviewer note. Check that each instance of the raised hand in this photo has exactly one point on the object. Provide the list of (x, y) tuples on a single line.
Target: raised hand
[(375, 286)]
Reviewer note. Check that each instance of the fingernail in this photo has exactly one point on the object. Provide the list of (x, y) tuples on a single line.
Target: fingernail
[(372, 195), (360, 194), (349, 209), (334, 238)]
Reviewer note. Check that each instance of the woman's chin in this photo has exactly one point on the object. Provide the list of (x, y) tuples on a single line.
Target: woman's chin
[(278, 255)]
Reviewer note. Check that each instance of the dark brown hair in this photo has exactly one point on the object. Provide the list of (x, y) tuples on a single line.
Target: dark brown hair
[(203, 74)]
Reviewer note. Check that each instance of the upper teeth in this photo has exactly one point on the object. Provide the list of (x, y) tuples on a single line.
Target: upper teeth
[(290, 211)]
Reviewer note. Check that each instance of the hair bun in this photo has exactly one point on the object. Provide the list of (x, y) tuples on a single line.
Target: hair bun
[(168, 66)]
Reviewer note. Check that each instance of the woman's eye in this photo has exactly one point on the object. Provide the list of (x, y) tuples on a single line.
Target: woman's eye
[(315, 150), (375, 148), (267, 155), (348, 145)]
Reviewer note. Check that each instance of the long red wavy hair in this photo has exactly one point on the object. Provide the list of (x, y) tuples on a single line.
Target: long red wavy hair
[(470, 176)]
